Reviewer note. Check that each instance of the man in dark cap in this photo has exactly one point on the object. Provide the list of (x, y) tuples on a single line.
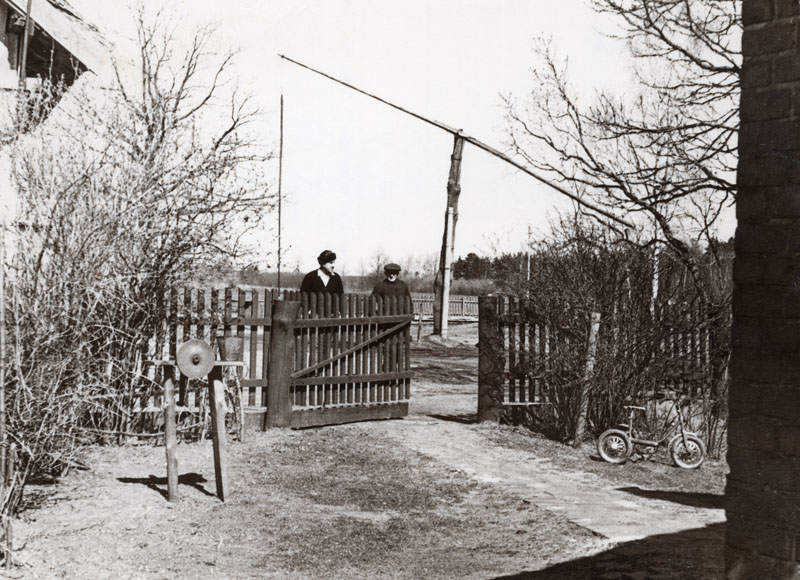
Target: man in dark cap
[(391, 285), (323, 279)]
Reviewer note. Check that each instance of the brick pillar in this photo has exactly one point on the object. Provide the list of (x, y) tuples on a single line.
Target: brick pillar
[(763, 489)]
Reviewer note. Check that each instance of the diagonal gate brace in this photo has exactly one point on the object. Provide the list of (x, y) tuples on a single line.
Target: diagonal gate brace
[(352, 349)]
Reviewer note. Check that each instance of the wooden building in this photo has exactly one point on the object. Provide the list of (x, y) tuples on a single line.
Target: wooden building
[(61, 45)]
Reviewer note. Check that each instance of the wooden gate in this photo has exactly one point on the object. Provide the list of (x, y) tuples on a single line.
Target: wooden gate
[(351, 358), (351, 352)]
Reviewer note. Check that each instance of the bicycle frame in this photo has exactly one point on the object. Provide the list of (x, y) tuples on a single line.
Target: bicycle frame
[(616, 445), (670, 425)]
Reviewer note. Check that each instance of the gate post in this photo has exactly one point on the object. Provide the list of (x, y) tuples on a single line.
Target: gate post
[(281, 359), (492, 361)]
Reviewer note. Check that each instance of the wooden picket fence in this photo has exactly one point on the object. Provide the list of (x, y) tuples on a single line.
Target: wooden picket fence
[(518, 350), (351, 352), (514, 352), (460, 306)]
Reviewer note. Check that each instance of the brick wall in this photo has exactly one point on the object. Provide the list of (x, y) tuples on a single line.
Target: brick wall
[(763, 491)]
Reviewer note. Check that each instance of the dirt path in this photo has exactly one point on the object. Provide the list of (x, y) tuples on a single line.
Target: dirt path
[(442, 425), (583, 498), (650, 528)]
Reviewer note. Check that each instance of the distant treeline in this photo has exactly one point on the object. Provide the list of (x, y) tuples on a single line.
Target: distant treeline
[(473, 275), (417, 283), (475, 267)]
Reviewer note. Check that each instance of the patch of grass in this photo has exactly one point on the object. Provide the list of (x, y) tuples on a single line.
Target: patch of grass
[(326, 543), (345, 466), (344, 503)]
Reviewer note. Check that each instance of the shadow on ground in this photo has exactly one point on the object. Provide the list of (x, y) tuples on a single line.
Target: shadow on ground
[(695, 554), (443, 373), (159, 484), (445, 365), (698, 500), (464, 418)]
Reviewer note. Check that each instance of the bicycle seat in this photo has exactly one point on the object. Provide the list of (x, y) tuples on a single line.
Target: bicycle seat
[(635, 407)]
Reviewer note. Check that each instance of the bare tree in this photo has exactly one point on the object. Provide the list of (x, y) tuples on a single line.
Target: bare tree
[(667, 153), (125, 194)]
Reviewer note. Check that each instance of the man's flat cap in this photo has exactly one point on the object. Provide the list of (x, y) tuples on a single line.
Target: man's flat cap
[(392, 268)]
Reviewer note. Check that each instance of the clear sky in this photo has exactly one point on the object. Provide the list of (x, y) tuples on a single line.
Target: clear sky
[(358, 176)]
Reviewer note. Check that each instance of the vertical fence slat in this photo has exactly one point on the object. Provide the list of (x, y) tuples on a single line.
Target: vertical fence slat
[(393, 367), (301, 356), (347, 342), (359, 354), (512, 349), (374, 305), (312, 343), (523, 359), (407, 355)]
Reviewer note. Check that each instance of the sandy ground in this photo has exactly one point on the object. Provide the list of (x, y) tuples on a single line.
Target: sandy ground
[(459, 500)]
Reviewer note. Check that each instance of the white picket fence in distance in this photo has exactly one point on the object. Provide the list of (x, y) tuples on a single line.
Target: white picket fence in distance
[(460, 306)]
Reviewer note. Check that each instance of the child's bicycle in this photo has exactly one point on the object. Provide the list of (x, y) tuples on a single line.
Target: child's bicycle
[(686, 448)]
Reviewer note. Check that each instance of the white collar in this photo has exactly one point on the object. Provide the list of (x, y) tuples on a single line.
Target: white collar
[(324, 276)]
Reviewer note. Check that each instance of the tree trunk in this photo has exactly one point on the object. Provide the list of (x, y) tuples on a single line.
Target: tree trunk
[(453, 191), (583, 407)]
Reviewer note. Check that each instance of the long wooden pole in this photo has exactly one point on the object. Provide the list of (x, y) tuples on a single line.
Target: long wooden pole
[(2, 355), (216, 404), (280, 177), (489, 149), (171, 434)]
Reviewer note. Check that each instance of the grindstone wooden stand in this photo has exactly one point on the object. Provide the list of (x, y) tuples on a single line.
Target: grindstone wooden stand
[(195, 364)]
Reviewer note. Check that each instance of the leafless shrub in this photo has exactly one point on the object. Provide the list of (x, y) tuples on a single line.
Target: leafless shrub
[(124, 195), (657, 337)]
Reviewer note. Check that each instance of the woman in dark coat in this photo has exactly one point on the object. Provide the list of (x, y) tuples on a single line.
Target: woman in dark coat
[(323, 279)]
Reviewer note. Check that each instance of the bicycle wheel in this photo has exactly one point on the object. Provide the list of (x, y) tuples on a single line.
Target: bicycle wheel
[(615, 446), (689, 455)]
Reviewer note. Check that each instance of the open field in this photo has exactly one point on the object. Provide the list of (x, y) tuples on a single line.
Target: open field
[(431, 496)]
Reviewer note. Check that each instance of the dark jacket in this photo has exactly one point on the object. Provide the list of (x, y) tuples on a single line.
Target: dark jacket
[(396, 288), (313, 283)]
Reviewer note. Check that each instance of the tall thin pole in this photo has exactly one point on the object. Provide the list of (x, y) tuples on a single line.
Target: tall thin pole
[(2, 337), (528, 273), (280, 176)]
